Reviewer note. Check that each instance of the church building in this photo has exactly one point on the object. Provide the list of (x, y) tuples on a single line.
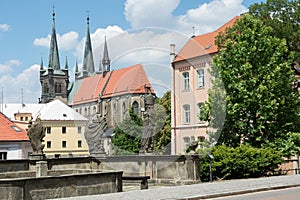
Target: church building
[(101, 91)]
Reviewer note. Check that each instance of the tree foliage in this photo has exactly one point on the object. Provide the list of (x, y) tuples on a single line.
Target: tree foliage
[(284, 17), (162, 136), (255, 68), (127, 135), (240, 162)]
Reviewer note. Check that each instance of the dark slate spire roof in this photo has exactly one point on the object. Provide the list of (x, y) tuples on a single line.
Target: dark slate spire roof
[(105, 59), (88, 61), (42, 65), (66, 65), (53, 56)]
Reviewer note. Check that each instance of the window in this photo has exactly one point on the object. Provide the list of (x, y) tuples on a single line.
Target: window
[(64, 144), (16, 129), (26, 118), (200, 78), (3, 155), (79, 129), (124, 107), (135, 106), (116, 106), (48, 144), (186, 114), (186, 81), (21, 119), (48, 129), (63, 130), (79, 143)]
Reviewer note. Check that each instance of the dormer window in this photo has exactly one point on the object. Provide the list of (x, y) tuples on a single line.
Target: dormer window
[(16, 128)]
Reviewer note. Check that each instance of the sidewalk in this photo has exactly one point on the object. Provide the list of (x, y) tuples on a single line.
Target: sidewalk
[(203, 190)]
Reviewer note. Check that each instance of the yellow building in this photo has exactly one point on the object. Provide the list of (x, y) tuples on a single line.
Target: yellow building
[(64, 130), (64, 126)]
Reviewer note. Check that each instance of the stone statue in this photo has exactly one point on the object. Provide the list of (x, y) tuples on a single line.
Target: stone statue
[(36, 134), (147, 136), (148, 123), (93, 133)]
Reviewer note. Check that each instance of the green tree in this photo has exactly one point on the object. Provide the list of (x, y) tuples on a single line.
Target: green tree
[(127, 135), (162, 130), (255, 67), (284, 17)]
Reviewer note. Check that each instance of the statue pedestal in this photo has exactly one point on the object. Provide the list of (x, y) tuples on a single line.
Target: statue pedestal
[(36, 156), (99, 155)]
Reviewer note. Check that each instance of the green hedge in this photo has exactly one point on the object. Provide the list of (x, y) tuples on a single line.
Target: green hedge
[(241, 162)]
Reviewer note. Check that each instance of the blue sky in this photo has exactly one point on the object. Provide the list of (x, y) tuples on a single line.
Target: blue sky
[(138, 31)]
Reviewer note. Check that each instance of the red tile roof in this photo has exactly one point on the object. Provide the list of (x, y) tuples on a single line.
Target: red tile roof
[(202, 44), (129, 80), (90, 88), (9, 131)]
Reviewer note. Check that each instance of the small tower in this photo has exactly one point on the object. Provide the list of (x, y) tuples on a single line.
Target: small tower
[(54, 80), (105, 59)]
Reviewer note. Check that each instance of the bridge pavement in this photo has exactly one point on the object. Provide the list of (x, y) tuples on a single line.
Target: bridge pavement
[(203, 190)]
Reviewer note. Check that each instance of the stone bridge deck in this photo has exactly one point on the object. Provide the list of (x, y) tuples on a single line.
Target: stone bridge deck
[(203, 190)]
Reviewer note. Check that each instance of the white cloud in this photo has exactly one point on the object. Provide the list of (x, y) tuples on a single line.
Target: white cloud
[(67, 41), (150, 13), (4, 27), (28, 80), (8, 66), (205, 18), (209, 16)]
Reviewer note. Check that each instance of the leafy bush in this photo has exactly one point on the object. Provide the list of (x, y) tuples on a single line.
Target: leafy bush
[(240, 162)]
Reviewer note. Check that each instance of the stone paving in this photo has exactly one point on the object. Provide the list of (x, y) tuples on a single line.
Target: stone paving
[(203, 190)]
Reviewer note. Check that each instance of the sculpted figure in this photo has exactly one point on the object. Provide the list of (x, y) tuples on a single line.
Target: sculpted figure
[(147, 136), (93, 133), (36, 134)]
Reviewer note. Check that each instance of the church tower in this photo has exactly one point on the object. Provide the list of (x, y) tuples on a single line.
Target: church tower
[(54, 80)]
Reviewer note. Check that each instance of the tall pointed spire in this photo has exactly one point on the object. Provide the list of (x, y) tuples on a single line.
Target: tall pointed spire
[(88, 61), (105, 59), (53, 55)]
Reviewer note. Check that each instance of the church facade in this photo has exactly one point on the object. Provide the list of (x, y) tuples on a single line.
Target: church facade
[(102, 91)]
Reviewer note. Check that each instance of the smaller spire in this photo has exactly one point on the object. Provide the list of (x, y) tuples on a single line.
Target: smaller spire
[(76, 67), (42, 64), (105, 59), (66, 65)]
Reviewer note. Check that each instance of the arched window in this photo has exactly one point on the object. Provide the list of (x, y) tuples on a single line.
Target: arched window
[(185, 81), (186, 114), (124, 107), (45, 88), (135, 106)]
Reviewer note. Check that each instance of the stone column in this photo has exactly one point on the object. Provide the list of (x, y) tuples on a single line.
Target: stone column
[(41, 168)]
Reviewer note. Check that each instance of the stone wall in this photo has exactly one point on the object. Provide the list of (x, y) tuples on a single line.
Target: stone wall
[(61, 186), (178, 169)]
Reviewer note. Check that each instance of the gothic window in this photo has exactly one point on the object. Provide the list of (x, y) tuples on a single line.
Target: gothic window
[(57, 88), (135, 106), (186, 114), (185, 81), (45, 88), (124, 107)]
